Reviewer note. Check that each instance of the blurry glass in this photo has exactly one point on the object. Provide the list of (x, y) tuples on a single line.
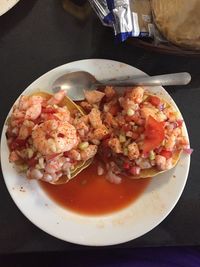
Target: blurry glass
[(78, 8)]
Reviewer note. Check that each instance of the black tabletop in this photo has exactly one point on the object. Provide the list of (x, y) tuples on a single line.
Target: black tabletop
[(36, 36)]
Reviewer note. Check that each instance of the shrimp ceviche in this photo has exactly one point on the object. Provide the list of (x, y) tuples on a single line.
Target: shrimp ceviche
[(139, 132), (46, 140), (132, 132)]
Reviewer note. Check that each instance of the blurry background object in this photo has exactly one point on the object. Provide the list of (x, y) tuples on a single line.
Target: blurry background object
[(142, 16), (166, 26), (178, 21), (77, 8), (6, 5)]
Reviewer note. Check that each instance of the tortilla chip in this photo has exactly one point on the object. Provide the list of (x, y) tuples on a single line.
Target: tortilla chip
[(178, 21)]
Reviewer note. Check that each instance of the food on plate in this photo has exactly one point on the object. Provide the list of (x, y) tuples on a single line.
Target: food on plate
[(48, 137), (135, 134), (140, 134)]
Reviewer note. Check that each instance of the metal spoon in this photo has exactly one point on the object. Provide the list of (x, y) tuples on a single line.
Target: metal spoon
[(75, 82)]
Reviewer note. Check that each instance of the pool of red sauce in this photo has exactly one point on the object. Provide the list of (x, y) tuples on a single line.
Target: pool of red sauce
[(91, 194)]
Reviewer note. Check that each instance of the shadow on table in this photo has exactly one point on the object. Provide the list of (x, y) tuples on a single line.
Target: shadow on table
[(105, 257), (11, 18)]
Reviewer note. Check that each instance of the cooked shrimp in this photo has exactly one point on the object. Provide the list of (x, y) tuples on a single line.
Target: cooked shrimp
[(110, 120), (54, 137), (13, 156), (149, 111), (82, 129), (176, 132), (62, 113), (29, 107), (100, 132), (160, 162), (93, 97), (112, 106), (18, 114), (182, 142), (136, 94), (86, 106), (110, 92), (115, 145), (55, 165), (89, 152), (169, 112), (95, 118), (57, 98), (170, 143), (74, 154), (33, 112), (27, 101), (24, 102), (126, 103), (169, 164), (16, 122), (133, 151), (26, 129)]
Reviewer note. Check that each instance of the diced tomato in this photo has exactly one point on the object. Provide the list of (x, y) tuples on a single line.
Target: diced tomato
[(154, 134), (107, 136), (179, 123), (126, 128), (32, 162), (128, 118), (19, 121), (61, 135), (105, 142), (66, 154), (154, 100), (114, 109), (165, 153), (158, 150), (126, 165), (52, 156), (141, 105), (38, 120), (13, 146), (140, 122), (131, 118), (49, 110), (140, 129), (51, 117), (18, 144), (135, 135)]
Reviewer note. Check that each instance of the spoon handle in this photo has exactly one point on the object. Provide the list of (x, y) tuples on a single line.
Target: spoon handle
[(181, 78)]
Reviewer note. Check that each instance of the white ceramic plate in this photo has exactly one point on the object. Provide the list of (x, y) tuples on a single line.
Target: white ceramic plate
[(137, 219), (6, 5)]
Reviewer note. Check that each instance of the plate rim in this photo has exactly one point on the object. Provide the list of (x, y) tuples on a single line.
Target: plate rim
[(8, 7)]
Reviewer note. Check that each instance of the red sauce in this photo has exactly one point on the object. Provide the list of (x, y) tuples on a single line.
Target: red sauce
[(91, 194)]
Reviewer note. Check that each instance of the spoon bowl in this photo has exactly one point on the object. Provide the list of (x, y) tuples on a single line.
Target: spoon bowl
[(74, 83)]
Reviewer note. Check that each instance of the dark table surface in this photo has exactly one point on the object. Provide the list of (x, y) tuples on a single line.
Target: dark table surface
[(36, 36)]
